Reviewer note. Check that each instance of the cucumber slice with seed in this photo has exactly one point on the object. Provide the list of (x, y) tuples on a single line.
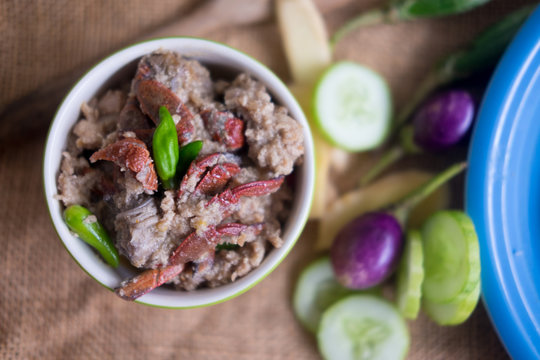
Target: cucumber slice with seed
[(454, 312), (363, 327), (410, 276), (451, 256), (352, 106), (315, 291)]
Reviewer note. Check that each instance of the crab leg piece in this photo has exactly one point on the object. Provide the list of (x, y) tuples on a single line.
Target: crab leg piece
[(195, 246), (152, 94), (216, 177), (228, 198), (192, 248), (130, 154), (225, 128), (147, 281)]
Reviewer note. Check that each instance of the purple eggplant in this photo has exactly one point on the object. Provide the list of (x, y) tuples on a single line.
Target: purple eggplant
[(366, 251), (443, 120), (440, 123)]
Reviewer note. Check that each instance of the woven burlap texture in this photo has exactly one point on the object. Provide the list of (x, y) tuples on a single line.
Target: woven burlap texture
[(51, 309)]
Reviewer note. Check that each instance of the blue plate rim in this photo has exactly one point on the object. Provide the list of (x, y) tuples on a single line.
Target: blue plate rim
[(506, 300)]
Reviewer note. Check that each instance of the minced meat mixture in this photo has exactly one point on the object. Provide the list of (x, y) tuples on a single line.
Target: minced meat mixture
[(246, 139)]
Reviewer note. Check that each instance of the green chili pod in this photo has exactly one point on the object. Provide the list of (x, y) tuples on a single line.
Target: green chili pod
[(227, 246), (82, 222), (188, 153), (165, 148), (483, 53)]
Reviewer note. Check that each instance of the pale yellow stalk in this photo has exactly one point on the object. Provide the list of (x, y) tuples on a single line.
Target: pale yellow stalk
[(308, 52)]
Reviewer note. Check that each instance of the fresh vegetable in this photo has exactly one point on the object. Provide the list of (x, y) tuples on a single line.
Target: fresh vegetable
[(483, 53), (399, 10), (439, 124), (363, 327), (315, 291), (165, 148), (454, 312), (308, 54), (378, 195), (305, 39), (186, 155), (410, 276), (443, 120), (227, 247), (323, 154), (83, 223), (352, 106), (452, 257), (414, 9), (365, 251)]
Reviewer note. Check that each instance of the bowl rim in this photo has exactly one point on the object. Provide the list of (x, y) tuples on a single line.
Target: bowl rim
[(506, 290), (279, 91)]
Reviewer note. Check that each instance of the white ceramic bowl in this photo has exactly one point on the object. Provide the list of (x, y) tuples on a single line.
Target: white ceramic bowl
[(122, 64)]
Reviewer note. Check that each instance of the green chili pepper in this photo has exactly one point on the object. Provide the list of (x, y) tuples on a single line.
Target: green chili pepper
[(227, 246), (165, 148), (482, 53), (188, 153), (400, 10), (82, 222)]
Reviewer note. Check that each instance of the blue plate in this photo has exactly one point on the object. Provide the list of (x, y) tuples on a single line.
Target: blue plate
[(503, 193)]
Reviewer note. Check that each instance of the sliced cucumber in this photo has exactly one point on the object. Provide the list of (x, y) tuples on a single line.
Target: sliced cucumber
[(315, 291), (454, 312), (352, 106), (451, 257), (410, 276), (363, 327)]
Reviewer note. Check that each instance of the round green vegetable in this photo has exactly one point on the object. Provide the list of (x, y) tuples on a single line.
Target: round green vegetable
[(452, 257), (165, 148), (363, 327), (315, 291), (82, 222), (410, 276), (352, 106), (454, 312)]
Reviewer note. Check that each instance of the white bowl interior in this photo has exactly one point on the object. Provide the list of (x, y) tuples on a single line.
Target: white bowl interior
[(122, 64)]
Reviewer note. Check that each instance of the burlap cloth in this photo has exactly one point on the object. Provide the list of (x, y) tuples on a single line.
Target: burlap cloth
[(50, 309)]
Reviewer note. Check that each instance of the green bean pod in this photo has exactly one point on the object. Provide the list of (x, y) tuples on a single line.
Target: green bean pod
[(165, 148), (187, 154), (91, 231)]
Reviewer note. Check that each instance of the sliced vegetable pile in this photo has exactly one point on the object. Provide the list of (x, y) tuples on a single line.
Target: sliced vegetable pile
[(431, 258)]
